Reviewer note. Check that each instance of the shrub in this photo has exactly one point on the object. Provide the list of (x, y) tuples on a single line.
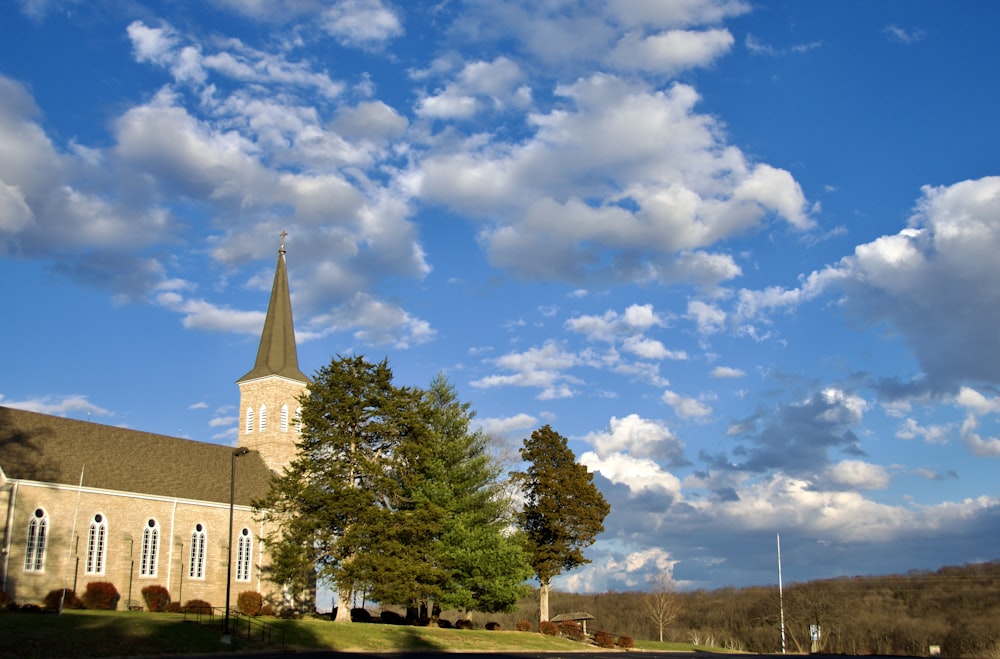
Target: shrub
[(444, 623), (548, 628), (54, 597), (156, 598), (493, 626), (524, 625), (249, 603), (604, 639), (359, 614), (267, 610), (4, 600), (464, 623), (173, 607), (197, 606), (101, 595), (572, 630), (391, 618), (626, 642), (31, 608)]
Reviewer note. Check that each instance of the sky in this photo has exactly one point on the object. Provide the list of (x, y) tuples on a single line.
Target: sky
[(741, 254)]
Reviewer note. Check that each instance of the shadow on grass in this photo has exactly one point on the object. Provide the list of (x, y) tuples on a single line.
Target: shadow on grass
[(114, 633)]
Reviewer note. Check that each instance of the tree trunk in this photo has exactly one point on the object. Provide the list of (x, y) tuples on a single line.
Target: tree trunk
[(343, 605), (543, 601)]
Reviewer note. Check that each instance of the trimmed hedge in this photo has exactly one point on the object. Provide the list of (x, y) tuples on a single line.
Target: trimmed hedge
[(101, 595), (55, 597), (157, 598), (197, 606), (524, 625), (249, 603)]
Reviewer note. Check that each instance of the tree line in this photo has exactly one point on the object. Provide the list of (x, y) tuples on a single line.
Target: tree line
[(956, 608), (394, 498)]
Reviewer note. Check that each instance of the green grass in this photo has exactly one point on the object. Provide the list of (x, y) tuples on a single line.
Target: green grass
[(117, 633)]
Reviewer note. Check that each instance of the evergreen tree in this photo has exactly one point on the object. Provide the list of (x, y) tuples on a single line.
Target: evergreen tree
[(481, 553), (563, 509)]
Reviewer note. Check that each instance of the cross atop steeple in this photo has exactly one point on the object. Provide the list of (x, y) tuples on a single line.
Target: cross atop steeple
[(283, 234)]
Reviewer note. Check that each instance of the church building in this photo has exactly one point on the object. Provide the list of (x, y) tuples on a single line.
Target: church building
[(85, 502)]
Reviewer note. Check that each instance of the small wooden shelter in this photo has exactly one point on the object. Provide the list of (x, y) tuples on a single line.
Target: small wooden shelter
[(578, 617)]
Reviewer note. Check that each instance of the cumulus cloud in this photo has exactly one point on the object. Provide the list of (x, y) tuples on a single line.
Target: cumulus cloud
[(685, 407), (658, 179), (640, 438)]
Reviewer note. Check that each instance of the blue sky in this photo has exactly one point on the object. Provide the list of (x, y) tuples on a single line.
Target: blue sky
[(742, 254)]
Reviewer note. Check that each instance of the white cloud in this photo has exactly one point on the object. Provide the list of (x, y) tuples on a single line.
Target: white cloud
[(638, 474), (537, 367), (671, 51), (860, 475), (637, 437), (57, 405), (365, 23), (686, 408), (726, 372)]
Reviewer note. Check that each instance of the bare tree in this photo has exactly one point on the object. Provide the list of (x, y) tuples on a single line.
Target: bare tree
[(663, 604)]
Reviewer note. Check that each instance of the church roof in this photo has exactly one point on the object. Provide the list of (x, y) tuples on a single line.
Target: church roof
[(53, 449), (277, 354)]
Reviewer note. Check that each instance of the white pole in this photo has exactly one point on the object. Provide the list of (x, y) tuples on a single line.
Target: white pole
[(781, 603), (69, 552)]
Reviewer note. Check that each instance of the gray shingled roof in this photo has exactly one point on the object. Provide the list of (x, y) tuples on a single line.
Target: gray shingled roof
[(52, 449), (277, 353)]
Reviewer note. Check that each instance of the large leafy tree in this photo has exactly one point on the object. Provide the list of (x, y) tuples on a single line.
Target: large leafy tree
[(563, 509), (331, 510)]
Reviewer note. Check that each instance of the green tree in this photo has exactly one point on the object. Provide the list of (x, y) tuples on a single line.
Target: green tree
[(483, 559), (563, 509), (331, 512)]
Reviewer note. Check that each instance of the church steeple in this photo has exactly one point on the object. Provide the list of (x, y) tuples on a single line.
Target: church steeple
[(270, 391), (277, 354)]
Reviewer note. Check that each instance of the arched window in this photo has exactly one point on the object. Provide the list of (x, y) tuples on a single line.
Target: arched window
[(196, 567), (34, 554), (150, 548), (249, 419), (298, 420), (244, 551), (263, 418), (284, 418), (97, 540)]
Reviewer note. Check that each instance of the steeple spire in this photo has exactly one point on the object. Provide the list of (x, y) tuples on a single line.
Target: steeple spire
[(277, 353)]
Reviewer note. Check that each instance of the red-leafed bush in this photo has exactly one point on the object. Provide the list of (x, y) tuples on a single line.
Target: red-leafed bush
[(493, 626), (101, 595), (524, 625), (464, 623), (267, 610), (197, 606), (626, 642), (250, 602), (56, 597), (548, 628), (604, 639), (572, 630), (156, 597)]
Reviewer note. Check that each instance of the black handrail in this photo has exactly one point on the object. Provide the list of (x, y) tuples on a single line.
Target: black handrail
[(267, 633)]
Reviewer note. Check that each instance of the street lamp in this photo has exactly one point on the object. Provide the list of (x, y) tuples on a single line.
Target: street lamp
[(229, 552)]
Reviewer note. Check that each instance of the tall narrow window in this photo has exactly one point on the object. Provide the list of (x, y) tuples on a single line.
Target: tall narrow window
[(150, 547), (96, 545), (244, 551), (284, 418), (34, 554), (249, 419), (196, 568), (263, 418), (298, 420)]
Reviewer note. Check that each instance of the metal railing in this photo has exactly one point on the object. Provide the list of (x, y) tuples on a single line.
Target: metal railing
[(240, 625)]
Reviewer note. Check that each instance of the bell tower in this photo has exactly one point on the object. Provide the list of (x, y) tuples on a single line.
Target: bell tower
[(270, 392)]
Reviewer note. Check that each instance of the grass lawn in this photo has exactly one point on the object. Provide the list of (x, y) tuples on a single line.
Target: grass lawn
[(119, 633)]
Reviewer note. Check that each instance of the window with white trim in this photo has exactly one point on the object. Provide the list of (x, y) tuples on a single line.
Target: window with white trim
[(298, 420), (34, 554), (150, 549), (97, 539), (244, 551), (263, 418), (196, 566), (284, 418), (249, 426)]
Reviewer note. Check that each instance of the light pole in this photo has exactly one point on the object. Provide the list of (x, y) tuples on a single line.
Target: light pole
[(229, 552)]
